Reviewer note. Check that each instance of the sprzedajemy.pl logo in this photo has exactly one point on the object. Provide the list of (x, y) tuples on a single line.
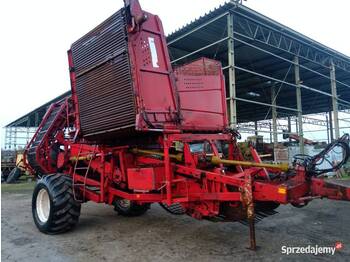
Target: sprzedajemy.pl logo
[(314, 250)]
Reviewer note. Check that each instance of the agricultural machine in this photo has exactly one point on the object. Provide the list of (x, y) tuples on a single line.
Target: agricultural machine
[(12, 167), (136, 131)]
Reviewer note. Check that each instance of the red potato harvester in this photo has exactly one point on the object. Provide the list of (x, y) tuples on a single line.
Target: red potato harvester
[(136, 131)]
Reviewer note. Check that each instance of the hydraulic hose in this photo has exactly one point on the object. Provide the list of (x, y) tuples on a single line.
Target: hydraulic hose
[(312, 163)]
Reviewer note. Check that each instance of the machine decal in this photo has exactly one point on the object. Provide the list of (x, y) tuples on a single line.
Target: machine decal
[(152, 48)]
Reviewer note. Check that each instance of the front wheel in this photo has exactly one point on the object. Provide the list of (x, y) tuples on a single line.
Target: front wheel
[(53, 206), (130, 208)]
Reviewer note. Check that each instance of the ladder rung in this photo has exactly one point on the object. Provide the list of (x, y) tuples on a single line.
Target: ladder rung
[(78, 185)]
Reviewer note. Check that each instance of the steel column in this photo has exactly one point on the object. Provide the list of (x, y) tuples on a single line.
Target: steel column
[(334, 101), (331, 125), (328, 137), (274, 115), (231, 72), (299, 105), (36, 121), (289, 126), (7, 137)]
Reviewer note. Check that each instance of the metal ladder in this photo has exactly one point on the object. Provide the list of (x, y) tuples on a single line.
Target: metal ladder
[(86, 168)]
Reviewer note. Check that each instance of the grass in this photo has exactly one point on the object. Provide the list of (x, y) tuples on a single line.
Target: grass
[(22, 186)]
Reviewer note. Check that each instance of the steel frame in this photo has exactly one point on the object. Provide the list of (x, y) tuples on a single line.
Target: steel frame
[(249, 29), (17, 137), (255, 30)]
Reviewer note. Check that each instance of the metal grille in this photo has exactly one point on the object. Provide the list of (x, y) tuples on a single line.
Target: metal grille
[(104, 85)]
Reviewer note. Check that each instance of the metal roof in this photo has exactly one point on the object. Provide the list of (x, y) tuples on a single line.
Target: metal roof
[(252, 29), (266, 48), (29, 119)]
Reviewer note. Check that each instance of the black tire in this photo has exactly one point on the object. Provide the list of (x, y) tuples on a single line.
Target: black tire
[(266, 206), (130, 208), (4, 175), (63, 212), (14, 175)]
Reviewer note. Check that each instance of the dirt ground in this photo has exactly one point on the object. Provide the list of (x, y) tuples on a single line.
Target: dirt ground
[(102, 235)]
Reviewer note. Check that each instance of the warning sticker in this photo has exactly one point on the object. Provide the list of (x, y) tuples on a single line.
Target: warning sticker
[(154, 56)]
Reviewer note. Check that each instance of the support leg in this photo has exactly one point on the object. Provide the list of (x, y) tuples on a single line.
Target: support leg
[(249, 203), (252, 234)]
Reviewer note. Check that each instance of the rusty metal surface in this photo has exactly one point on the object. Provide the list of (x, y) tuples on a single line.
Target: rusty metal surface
[(104, 85)]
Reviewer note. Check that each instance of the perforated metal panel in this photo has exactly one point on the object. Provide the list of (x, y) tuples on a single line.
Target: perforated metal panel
[(103, 81)]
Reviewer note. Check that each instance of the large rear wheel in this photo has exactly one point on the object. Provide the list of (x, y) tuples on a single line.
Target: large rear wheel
[(53, 206)]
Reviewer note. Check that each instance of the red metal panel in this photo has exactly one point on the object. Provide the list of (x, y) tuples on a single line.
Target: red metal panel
[(144, 178), (201, 89), (122, 81), (152, 75)]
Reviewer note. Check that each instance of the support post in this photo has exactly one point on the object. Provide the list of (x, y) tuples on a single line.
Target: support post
[(36, 120), (256, 127), (299, 105), (274, 115), (334, 101), (231, 72), (328, 137), (168, 175), (289, 126), (331, 125), (15, 138), (10, 138), (7, 138), (247, 197)]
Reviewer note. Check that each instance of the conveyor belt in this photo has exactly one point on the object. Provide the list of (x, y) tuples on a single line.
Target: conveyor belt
[(51, 122)]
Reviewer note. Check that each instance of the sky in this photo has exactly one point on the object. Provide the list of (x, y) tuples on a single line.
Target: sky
[(36, 34)]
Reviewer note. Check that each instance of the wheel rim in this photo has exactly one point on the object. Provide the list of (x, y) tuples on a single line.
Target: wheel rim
[(43, 205), (125, 203)]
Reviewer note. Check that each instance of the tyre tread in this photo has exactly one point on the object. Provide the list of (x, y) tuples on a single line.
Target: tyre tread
[(65, 210)]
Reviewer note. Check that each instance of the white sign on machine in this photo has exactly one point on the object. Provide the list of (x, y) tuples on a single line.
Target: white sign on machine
[(154, 56)]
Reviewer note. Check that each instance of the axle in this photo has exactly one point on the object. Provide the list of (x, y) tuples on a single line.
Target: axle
[(216, 160)]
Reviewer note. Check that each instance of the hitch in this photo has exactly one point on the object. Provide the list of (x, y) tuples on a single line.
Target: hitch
[(337, 189)]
